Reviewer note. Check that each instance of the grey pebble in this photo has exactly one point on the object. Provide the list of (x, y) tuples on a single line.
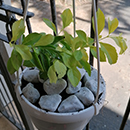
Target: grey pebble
[(31, 93), (85, 96), (71, 104), (50, 102), (52, 88)]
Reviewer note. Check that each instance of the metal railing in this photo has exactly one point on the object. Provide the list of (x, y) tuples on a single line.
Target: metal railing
[(9, 105)]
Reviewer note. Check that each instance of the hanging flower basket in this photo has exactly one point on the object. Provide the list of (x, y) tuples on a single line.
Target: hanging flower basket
[(59, 57)]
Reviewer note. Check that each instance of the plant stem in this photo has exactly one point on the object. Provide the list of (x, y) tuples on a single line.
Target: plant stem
[(24, 18), (61, 30), (104, 38), (74, 17)]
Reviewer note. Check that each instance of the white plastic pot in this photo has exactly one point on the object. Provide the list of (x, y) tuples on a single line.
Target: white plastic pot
[(59, 121)]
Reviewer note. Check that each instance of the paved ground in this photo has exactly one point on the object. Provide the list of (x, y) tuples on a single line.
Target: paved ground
[(117, 76)]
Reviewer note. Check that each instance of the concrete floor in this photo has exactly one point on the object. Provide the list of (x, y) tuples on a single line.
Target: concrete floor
[(5, 124), (117, 76)]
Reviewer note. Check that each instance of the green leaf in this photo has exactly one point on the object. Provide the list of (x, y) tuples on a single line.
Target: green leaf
[(18, 29), (65, 45), (81, 35), (77, 43), (43, 33), (58, 48), (121, 43), (78, 55), (45, 60), (52, 75), (86, 66), (100, 21), (67, 18), (79, 65), (123, 46), (85, 55), (28, 63), (74, 76), (45, 40), (24, 51), (36, 61), (23, 37), (80, 44), (100, 36), (110, 52), (112, 25), (57, 39), (16, 59), (69, 40), (60, 68), (43, 75), (66, 59), (73, 62), (36, 50), (90, 41), (50, 24), (31, 39), (69, 60), (94, 53), (10, 67)]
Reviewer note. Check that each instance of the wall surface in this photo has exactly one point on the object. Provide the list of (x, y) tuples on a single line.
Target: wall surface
[(3, 31), (5, 50)]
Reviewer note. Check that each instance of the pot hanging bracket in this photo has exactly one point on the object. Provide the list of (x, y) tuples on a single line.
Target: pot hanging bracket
[(98, 56), (96, 108)]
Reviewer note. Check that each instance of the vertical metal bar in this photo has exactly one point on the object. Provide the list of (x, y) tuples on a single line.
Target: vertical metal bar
[(23, 4), (5, 74), (125, 116), (53, 13), (87, 126), (27, 19), (1, 106), (91, 58), (74, 17), (1, 2), (29, 25)]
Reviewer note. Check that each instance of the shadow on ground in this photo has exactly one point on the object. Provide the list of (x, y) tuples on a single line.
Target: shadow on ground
[(112, 9), (119, 9), (107, 120), (42, 9)]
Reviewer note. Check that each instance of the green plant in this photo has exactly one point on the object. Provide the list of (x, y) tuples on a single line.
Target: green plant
[(56, 56)]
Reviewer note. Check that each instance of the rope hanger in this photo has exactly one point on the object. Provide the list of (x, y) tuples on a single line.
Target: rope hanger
[(97, 48)]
